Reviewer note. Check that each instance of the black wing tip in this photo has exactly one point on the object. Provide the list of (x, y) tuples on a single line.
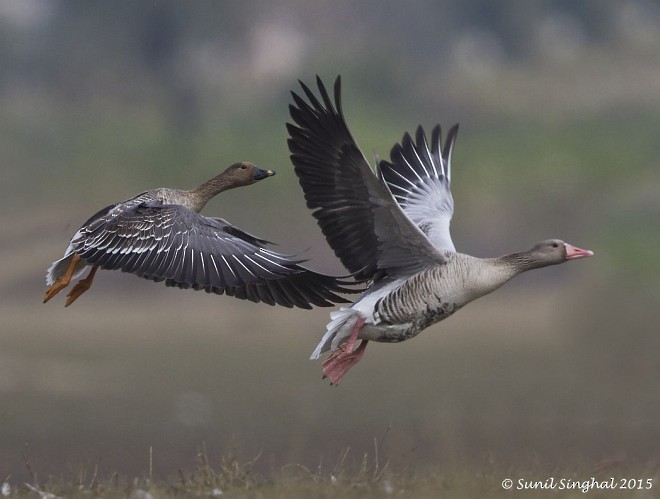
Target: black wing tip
[(409, 147), (325, 96), (450, 140), (320, 84), (437, 148), (337, 90), (312, 104), (420, 136)]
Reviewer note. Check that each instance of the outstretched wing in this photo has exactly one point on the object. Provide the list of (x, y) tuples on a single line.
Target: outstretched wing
[(419, 179), (185, 249), (359, 217)]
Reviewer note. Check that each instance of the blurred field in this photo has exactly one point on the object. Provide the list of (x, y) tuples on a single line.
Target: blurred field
[(354, 476)]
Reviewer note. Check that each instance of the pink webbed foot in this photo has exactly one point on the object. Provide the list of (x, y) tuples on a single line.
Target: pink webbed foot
[(345, 357), (341, 361)]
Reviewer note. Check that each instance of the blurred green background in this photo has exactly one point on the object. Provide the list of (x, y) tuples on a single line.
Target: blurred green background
[(559, 106)]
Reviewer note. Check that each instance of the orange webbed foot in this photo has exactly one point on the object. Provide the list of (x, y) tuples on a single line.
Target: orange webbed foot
[(80, 287), (55, 288), (63, 281)]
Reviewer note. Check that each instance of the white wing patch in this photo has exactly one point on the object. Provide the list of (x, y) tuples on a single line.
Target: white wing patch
[(418, 178)]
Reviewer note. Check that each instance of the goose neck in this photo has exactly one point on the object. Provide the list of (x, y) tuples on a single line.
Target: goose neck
[(203, 193), (519, 262)]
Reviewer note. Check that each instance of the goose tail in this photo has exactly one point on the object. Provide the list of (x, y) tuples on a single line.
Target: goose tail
[(59, 267), (337, 331)]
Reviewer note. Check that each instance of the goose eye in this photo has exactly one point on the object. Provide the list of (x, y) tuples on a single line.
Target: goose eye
[(243, 167), (555, 245)]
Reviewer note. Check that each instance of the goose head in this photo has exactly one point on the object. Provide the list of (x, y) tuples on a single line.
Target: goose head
[(244, 173), (237, 175), (553, 252)]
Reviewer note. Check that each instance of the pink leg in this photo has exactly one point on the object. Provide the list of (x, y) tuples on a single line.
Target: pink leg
[(345, 357)]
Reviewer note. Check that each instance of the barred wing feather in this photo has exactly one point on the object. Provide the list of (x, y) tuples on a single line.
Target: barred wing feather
[(185, 249), (419, 178)]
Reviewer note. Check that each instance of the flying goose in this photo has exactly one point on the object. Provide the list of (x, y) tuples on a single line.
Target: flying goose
[(160, 235), (392, 228)]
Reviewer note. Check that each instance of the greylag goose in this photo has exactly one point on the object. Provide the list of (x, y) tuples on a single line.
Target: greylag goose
[(392, 228), (160, 235)]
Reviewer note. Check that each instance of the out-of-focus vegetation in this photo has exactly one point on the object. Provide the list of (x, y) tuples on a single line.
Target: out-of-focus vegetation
[(348, 476), (559, 113)]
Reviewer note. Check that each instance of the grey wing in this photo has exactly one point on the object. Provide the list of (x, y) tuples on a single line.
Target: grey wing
[(419, 178), (185, 249), (361, 221)]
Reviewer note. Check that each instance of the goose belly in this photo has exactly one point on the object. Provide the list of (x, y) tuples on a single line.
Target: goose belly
[(388, 332), (413, 306)]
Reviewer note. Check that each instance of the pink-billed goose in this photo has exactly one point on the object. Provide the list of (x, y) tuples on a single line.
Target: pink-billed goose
[(392, 228), (160, 235)]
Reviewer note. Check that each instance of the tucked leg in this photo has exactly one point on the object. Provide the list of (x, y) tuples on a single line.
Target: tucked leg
[(63, 281), (82, 286), (346, 356)]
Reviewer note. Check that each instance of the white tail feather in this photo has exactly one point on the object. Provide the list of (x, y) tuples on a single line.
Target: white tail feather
[(337, 331), (59, 268)]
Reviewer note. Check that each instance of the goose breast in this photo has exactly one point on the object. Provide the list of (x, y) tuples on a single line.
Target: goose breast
[(403, 310)]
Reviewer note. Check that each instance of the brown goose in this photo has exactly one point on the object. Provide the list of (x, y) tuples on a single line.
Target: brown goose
[(160, 235), (392, 228)]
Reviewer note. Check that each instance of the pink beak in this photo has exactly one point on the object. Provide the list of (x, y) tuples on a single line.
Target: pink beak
[(573, 253)]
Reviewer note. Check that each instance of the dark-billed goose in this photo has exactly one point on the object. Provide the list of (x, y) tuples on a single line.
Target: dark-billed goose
[(392, 228), (160, 235)]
